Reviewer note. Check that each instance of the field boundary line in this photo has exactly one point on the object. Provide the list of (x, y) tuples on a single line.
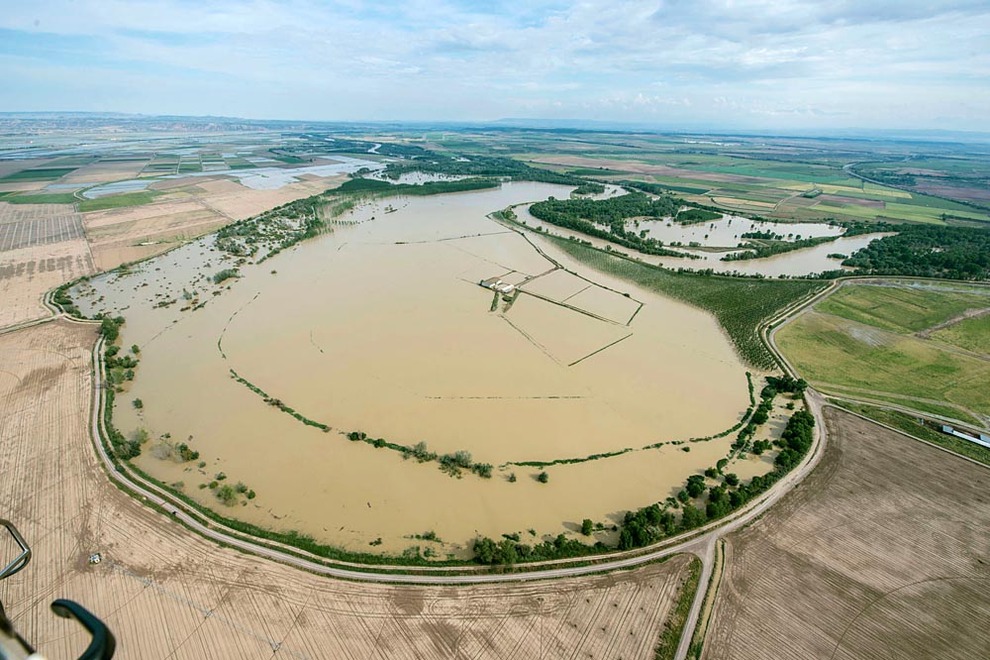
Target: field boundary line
[(838, 404)]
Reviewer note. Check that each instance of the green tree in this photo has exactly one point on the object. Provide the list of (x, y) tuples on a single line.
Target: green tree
[(226, 494), (587, 526), (695, 485)]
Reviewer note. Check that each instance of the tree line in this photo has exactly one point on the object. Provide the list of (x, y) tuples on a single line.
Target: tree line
[(606, 218), (655, 522), (961, 253)]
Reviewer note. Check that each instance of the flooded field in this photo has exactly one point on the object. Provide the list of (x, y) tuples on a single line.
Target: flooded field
[(382, 326), (727, 232)]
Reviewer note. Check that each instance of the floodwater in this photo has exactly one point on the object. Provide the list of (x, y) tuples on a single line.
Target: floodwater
[(116, 188), (724, 233), (258, 178), (728, 231), (382, 326)]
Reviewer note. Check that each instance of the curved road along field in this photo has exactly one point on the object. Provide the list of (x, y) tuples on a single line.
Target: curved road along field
[(169, 593), (701, 542)]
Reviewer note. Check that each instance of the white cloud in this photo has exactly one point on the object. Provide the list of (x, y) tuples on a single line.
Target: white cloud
[(859, 62)]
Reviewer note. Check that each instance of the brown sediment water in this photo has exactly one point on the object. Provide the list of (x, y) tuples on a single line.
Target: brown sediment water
[(382, 326)]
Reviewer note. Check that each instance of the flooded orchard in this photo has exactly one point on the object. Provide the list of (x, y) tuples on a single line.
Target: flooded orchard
[(416, 320), (709, 241)]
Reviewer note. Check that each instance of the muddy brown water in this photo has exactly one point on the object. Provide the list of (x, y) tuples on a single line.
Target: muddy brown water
[(382, 326)]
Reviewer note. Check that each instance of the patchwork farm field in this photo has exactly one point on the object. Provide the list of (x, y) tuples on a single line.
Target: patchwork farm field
[(41, 247), (800, 181), (898, 341), (881, 552)]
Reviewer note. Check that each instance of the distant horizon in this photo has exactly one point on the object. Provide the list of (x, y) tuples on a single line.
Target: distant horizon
[(535, 123), (740, 65)]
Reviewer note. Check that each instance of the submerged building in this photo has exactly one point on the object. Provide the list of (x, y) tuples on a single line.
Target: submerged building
[(498, 285)]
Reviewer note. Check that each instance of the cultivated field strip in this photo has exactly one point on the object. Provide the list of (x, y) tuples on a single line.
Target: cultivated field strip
[(882, 552), (27, 273), (169, 594), (37, 224)]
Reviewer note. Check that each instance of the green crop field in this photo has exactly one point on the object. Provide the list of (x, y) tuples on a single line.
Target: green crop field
[(42, 198), (903, 308), (741, 305), (117, 201), (39, 174), (878, 352), (971, 334)]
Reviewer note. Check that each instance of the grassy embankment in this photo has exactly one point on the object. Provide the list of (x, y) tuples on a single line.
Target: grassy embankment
[(869, 341)]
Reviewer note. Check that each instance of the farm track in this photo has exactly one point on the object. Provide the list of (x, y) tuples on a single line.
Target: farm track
[(971, 314)]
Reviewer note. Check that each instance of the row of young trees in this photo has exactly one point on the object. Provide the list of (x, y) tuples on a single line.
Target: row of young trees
[(683, 513)]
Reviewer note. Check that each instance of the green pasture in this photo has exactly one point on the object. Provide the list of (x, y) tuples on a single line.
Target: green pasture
[(39, 174), (42, 198), (903, 308), (828, 349), (117, 201), (937, 409), (972, 334)]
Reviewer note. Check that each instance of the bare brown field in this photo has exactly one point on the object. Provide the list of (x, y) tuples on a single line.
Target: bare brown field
[(239, 202), (41, 246), (25, 186), (843, 200), (188, 210), (101, 172), (978, 194), (167, 593), (639, 167), (27, 225), (116, 235), (882, 552)]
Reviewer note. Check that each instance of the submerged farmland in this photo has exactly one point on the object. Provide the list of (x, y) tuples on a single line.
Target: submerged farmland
[(321, 390)]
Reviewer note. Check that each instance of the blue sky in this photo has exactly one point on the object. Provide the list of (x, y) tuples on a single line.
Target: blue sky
[(672, 63)]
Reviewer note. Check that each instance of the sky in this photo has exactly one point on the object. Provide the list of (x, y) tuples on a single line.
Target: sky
[(750, 64)]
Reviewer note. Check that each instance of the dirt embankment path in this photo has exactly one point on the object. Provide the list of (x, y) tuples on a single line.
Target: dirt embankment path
[(968, 314)]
